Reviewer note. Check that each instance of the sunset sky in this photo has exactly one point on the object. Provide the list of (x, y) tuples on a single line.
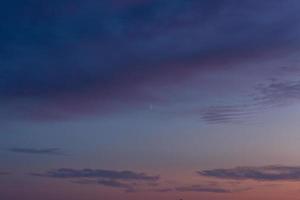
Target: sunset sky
[(150, 99)]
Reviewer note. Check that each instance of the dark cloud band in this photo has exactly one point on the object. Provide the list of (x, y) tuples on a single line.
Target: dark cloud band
[(199, 188), (98, 173), (46, 151), (268, 173)]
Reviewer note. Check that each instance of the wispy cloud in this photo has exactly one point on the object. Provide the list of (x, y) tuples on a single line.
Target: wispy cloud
[(266, 173), (129, 181), (279, 93), (206, 187), (226, 114), (44, 151)]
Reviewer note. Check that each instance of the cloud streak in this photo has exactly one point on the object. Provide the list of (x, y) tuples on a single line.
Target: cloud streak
[(226, 114), (128, 181), (97, 173), (201, 188), (223, 187), (45, 151), (266, 173)]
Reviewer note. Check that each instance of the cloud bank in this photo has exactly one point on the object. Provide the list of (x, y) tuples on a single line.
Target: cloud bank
[(70, 58)]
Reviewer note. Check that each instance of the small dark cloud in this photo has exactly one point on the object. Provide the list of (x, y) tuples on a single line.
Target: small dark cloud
[(98, 173), (163, 190), (266, 173), (4, 173), (127, 186), (202, 188), (45, 151)]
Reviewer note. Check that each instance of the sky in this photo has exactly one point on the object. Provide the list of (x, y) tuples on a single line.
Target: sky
[(149, 99)]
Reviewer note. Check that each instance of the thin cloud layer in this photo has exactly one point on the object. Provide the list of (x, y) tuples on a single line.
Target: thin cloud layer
[(201, 188), (124, 185), (46, 151), (267, 173), (219, 187), (128, 181)]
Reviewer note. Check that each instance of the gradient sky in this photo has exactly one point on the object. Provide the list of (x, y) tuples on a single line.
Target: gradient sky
[(149, 99)]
